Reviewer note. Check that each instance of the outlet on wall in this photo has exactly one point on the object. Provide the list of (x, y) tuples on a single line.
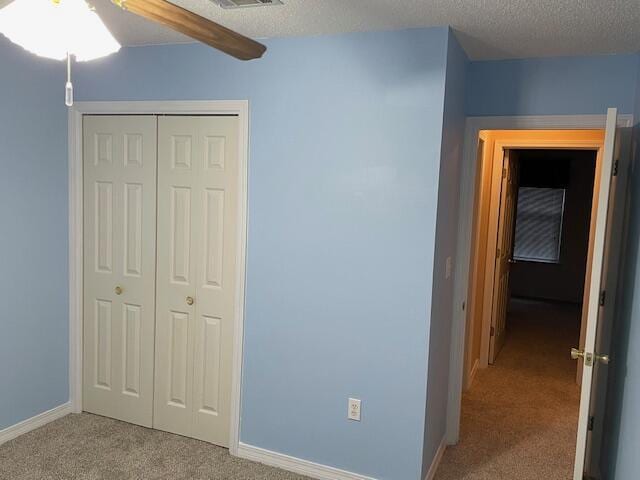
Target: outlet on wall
[(447, 268), (354, 409)]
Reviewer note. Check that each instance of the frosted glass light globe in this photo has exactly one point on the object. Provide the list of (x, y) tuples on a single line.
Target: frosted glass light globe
[(57, 28)]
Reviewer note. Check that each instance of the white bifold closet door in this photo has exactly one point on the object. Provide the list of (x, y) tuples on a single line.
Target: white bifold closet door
[(119, 266), (196, 275)]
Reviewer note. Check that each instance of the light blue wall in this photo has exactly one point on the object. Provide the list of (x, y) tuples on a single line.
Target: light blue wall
[(622, 441), (552, 86), (33, 242), (343, 182), (446, 242)]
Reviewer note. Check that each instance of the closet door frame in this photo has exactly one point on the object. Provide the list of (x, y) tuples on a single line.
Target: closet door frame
[(239, 108)]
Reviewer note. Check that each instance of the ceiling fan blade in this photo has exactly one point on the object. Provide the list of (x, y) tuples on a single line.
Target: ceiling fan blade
[(195, 26)]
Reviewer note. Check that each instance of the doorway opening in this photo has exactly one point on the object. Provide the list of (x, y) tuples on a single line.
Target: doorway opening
[(541, 233), (533, 233)]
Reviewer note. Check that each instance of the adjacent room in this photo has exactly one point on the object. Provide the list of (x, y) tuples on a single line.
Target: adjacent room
[(340, 240)]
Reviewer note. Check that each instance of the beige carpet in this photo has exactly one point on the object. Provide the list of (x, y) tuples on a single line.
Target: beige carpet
[(90, 447), (519, 418)]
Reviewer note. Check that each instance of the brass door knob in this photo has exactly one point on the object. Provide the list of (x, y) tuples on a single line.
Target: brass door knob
[(118, 290), (189, 300), (586, 356), (604, 359)]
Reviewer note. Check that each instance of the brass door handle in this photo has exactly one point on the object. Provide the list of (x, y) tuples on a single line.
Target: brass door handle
[(604, 359), (189, 300), (576, 354), (118, 290)]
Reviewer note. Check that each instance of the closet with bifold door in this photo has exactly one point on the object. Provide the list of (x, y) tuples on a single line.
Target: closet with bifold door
[(160, 239)]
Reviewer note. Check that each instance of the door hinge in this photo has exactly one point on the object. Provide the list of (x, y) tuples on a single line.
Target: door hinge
[(492, 332), (592, 419), (615, 168), (504, 173), (498, 253), (603, 298)]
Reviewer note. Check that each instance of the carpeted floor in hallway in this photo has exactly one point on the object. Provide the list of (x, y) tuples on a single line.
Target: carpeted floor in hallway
[(519, 418), (90, 447)]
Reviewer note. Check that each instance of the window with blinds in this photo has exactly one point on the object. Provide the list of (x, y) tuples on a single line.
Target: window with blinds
[(539, 224)]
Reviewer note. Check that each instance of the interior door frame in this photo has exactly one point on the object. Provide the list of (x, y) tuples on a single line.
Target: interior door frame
[(465, 221), (510, 140), (239, 108)]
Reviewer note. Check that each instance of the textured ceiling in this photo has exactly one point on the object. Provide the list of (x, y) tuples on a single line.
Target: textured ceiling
[(487, 29)]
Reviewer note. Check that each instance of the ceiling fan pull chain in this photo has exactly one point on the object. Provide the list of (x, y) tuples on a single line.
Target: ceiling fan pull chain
[(68, 88)]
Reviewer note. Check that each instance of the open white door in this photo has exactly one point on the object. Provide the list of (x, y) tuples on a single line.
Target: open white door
[(504, 255), (601, 301)]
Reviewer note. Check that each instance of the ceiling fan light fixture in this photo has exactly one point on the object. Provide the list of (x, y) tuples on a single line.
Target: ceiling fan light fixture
[(57, 28)]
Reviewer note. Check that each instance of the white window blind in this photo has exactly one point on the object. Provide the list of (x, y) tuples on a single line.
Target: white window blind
[(539, 224)]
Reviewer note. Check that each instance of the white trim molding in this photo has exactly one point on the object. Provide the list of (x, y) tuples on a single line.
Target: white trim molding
[(34, 422), (463, 250), (296, 465), (431, 474), (239, 108)]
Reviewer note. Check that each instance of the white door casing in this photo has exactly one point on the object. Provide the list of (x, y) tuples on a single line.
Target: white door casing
[(119, 266), (198, 182), (599, 268)]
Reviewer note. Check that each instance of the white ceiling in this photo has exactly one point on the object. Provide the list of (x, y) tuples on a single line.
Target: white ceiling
[(487, 29)]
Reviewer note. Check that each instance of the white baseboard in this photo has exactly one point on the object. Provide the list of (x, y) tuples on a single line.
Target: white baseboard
[(436, 460), (32, 423), (296, 465)]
